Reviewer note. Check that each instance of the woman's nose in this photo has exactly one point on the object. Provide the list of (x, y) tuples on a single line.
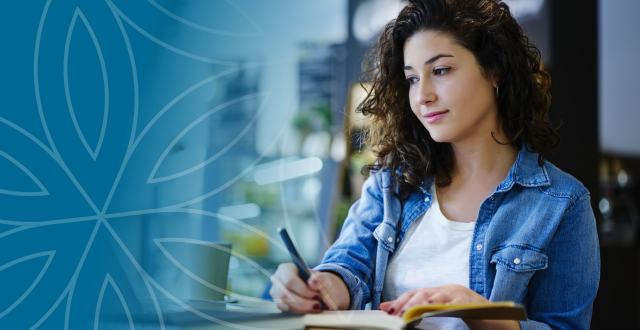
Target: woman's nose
[(426, 93)]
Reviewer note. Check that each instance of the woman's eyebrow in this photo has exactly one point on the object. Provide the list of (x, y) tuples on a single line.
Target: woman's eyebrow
[(431, 60)]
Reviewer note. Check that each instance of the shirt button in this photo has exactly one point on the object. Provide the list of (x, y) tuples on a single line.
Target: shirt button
[(479, 247), (426, 199), (390, 239), (492, 197), (516, 261), (397, 239)]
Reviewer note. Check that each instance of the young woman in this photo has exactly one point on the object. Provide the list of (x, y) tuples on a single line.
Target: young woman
[(461, 206)]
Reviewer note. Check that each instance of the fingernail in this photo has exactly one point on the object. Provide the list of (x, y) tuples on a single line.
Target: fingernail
[(391, 310), (402, 312), (315, 283), (429, 301), (316, 306)]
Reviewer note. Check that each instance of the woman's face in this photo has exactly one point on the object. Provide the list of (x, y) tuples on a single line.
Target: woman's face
[(448, 91)]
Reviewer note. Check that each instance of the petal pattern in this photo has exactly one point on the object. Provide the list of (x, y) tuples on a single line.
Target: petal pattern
[(4, 169), (105, 104), (48, 254), (109, 281), (252, 23), (181, 265), (81, 86), (233, 105)]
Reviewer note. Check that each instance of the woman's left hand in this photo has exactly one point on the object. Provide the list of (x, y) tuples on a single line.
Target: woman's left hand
[(445, 294)]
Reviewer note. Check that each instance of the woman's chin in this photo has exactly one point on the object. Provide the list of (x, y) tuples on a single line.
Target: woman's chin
[(440, 137)]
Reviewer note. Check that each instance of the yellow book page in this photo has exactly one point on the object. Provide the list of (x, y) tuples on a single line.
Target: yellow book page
[(417, 311)]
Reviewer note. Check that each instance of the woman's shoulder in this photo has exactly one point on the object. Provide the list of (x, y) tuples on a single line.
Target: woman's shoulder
[(563, 184), (381, 177), (548, 178)]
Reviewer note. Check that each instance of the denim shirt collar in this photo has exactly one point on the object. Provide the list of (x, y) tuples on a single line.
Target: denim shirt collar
[(525, 171)]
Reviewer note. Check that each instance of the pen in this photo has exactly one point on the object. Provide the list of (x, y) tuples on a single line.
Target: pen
[(303, 269)]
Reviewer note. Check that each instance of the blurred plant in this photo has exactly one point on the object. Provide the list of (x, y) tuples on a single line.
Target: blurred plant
[(317, 118), (247, 243), (359, 159), (342, 211), (324, 111), (302, 121), (266, 196)]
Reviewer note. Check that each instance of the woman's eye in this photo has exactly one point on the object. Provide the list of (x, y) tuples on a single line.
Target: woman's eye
[(440, 71), (411, 80)]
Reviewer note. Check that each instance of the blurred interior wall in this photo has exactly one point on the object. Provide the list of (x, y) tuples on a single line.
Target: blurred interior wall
[(574, 89), (619, 71), (617, 303)]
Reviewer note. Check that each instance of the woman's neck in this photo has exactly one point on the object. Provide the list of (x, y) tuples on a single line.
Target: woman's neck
[(482, 160), (479, 167)]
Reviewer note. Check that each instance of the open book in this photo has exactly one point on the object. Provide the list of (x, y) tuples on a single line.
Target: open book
[(380, 320)]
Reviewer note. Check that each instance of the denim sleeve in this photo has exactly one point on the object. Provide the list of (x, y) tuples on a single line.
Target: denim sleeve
[(561, 296), (353, 254)]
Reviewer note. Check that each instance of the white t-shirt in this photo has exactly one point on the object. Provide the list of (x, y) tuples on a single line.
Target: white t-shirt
[(434, 252)]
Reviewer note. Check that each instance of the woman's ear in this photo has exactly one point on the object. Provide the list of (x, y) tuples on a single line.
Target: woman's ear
[(491, 76)]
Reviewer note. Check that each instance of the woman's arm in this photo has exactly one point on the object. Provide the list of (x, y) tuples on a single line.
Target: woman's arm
[(344, 278), (562, 295), (353, 255)]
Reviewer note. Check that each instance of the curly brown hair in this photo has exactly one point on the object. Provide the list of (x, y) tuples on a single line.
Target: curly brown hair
[(487, 29)]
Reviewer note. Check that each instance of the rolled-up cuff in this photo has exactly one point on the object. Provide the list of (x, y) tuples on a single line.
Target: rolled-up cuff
[(352, 282)]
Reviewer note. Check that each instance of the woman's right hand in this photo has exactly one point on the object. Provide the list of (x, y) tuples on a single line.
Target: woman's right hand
[(293, 295)]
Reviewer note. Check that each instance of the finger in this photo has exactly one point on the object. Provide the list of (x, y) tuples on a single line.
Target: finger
[(322, 283), (318, 281), (398, 303), (283, 307), (283, 295), (440, 297), (279, 292), (297, 305), (384, 306), (307, 307), (419, 298), (286, 277)]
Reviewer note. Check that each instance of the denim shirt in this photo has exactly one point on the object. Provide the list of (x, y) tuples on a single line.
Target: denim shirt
[(534, 242)]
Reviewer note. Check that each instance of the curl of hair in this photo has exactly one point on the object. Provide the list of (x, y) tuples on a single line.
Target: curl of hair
[(487, 29)]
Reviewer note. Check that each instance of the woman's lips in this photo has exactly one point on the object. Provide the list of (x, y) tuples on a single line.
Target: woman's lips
[(434, 116)]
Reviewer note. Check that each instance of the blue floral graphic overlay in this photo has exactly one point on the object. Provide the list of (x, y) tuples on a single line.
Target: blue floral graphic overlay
[(122, 123)]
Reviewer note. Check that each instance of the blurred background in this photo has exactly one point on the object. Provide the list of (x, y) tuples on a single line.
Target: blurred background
[(310, 177), (245, 122)]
